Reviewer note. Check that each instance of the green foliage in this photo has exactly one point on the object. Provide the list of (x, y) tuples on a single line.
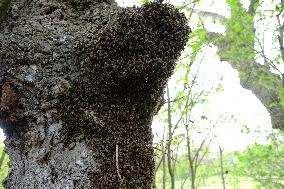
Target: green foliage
[(261, 163), (4, 168), (182, 172), (258, 167), (280, 92), (144, 1), (197, 40), (240, 34)]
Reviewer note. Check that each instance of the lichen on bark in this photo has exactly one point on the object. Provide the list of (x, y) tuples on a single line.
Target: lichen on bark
[(88, 77)]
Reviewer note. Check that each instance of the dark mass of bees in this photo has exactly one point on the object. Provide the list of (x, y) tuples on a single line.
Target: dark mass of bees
[(127, 69)]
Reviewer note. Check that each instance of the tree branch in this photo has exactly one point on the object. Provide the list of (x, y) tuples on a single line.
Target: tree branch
[(208, 14), (251, 9), (281, 35), (265, 89)]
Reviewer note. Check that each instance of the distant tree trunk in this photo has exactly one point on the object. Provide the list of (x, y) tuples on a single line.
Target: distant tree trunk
[(81, 81), (222, 167), (190, 159), (169, 142), (164, 159), (195, 157), (238, 49)]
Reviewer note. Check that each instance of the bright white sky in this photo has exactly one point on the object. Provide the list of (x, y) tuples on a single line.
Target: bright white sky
[(234, 100)]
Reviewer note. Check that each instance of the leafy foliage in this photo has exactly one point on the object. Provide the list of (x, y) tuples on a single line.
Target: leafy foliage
[(4, 167), (264, 164), (240, 34)]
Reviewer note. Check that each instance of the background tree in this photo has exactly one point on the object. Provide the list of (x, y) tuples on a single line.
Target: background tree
[(237, 46), (222, 167)]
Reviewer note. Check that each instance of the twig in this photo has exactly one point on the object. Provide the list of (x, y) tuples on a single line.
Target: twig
[(117, 163)]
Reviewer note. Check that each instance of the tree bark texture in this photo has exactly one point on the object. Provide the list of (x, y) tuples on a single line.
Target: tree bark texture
[(80, 83)]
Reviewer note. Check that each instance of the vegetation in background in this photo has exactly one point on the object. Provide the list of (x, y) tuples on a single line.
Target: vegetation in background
[(4, 159)]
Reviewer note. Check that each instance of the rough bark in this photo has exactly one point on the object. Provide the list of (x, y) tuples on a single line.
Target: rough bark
[(81, 81)]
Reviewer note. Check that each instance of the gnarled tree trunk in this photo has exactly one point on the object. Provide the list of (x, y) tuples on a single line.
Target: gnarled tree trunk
[(80, 83), (237, 47)]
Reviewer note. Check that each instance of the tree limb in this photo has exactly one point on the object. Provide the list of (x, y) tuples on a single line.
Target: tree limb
[(251, 9), (266, 90)]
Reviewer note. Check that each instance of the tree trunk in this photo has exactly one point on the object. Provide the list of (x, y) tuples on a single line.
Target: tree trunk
[(190, 158), (169, 142), (81, 81), (222, 167), (164, 159)]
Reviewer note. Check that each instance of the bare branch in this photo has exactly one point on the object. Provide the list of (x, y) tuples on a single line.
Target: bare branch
[(281, 34), (170, 135), (185, 5), (195, 157)]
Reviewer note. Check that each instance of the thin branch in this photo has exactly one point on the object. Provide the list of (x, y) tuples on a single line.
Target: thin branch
[(267, 61), (199, 149), (190, 14), (160, 162), (281, 9), (280, 36), (169, 154), (185, 5), (117, 163), (251, 9)]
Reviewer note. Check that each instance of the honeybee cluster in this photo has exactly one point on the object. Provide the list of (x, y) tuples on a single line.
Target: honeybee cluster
[(127, 68), (99, 70)]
